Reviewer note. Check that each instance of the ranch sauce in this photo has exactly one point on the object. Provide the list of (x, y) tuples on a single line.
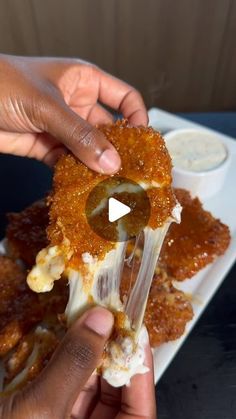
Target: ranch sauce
[(196, 151)]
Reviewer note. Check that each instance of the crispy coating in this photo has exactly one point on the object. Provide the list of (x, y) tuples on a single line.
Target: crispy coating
[(198, 232), (188, 246), (167, 313), (195, 242), (26, 232), (144, 158), (143, 153), (29, 358), (17, 359), (168, 309), (19, 308)]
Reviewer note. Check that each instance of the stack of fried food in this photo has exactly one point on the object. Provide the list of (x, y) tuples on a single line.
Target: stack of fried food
[(31, 325)]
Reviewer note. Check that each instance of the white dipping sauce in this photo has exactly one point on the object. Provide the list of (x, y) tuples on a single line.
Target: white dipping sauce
[(197, 151)]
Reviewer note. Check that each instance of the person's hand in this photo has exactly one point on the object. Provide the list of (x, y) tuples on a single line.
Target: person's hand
[(47, 104), (66, 388)]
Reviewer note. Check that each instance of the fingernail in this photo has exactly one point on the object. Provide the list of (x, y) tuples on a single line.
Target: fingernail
[(109, 161), (100, 321)]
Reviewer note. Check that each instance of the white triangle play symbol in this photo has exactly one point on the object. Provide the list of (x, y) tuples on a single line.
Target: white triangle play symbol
[(116, 209)]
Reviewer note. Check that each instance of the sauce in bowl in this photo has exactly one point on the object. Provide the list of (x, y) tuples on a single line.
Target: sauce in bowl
[(200, 161), (196, 151)]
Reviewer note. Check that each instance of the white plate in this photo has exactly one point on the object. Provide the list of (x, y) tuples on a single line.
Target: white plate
[(202, 286)]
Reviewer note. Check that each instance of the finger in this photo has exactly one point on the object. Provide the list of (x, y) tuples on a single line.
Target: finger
[(42, 147), (35, 145), (98, 115), (109, 402), (123, 97), (138, 399), (72, 364), (87, 399), (52, 156), (85, 141)]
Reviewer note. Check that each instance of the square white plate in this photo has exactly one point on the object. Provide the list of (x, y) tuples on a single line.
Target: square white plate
[(202, 286)]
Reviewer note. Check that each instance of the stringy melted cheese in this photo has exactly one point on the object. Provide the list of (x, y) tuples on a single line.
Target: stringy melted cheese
[(98, 283)]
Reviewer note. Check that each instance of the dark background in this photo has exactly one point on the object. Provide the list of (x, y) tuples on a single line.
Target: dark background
[(181, 56)]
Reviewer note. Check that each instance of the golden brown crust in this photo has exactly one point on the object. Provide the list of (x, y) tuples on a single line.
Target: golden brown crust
[(19, 308), (195, 242), (197, 232), (43, 342), (72, 184), (188, 247), (16, 360), (198, 227), (26, 232), (20, 311), (10, 335), (143, 152), (144, 159), (168, 311)]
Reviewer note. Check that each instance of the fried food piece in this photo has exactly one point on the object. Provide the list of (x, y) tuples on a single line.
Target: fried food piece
[(19, 308), (183, 252), (29, 358), (26, 232), (144, 159), (168, 309), (191, 233), (195, 242), (26, 351), (10, 335), (92, 264), (143, 153)]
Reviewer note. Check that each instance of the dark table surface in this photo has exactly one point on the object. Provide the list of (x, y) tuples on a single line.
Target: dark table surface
[(201, 381)]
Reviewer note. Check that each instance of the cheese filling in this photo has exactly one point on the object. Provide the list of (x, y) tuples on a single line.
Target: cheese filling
[(98, 283)]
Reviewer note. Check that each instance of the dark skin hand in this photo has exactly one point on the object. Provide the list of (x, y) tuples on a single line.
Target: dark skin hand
[(67, 389), (49, 104)]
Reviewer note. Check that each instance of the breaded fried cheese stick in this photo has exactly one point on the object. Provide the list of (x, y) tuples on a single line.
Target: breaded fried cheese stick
[(93, 264)]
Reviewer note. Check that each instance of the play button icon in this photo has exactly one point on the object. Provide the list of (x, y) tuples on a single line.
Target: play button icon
[(117, 209)]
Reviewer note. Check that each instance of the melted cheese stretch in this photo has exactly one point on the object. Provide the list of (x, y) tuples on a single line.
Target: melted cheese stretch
[(98, 282), (125, 358), (50, 264)]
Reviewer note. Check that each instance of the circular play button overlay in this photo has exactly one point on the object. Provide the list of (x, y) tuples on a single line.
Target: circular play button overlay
[(117, 209)]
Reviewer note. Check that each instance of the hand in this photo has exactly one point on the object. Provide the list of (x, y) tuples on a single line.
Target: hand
[(66, 387), (47, 104)]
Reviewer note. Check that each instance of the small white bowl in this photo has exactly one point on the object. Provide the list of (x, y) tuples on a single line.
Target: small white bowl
[(201, 183)]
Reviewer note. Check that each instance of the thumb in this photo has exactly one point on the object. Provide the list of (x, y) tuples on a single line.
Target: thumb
[(85, 141), (74, 361)]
